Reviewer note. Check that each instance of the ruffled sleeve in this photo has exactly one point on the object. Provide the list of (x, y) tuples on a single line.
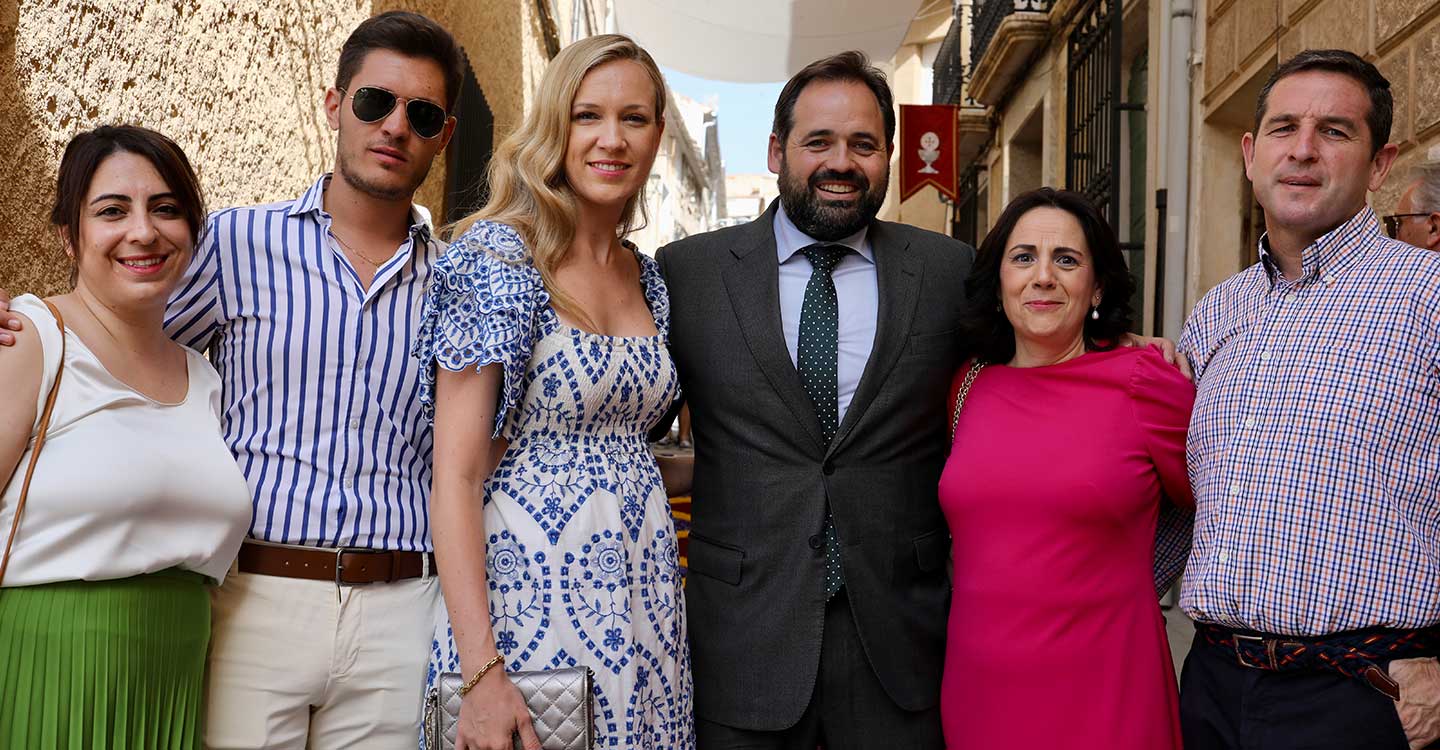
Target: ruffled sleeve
[(482, 308), (1162, 399)]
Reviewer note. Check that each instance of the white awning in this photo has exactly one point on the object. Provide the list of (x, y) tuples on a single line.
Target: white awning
[(760, 41)]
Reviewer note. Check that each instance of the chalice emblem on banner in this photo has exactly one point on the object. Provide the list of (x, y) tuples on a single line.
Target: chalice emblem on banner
[(928, 148), (929, 152)]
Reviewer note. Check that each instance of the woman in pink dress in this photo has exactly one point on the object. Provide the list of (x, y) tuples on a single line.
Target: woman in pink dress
[(1066, 495)]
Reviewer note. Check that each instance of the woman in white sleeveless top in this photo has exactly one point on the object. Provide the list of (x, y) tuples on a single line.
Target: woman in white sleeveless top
[(136, 505)]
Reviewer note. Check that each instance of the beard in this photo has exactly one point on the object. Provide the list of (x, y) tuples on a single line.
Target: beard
[(826, 220), (400, 186)]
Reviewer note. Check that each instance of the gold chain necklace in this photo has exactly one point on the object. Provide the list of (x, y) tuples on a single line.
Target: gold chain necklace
[(374, 263)]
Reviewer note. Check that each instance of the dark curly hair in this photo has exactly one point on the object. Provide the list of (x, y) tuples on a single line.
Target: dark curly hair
[(989, 328)]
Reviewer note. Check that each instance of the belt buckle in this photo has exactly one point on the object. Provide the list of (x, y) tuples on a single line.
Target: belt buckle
[(1240, 655), (340, 567)]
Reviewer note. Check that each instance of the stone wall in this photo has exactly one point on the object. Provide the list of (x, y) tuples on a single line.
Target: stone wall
[(237, 83), (1402, 37)]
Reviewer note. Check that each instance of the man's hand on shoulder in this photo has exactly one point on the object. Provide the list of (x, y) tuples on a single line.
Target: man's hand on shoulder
[(1166, 347), (9, 321)]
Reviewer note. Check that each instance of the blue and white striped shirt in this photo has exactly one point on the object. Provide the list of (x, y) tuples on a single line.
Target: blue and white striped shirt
[(320, 393)]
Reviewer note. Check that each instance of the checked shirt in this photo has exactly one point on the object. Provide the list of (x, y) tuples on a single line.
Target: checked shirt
[(1314, 447)]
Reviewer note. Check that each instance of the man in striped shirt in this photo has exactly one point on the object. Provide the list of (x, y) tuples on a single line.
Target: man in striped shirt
[(1314, 449), (309, 308)]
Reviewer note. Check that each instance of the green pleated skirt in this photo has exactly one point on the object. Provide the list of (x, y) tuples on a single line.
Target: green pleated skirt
[(104, 665)]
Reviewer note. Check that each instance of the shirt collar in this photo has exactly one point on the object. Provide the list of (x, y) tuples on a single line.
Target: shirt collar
[(312, 203), (1332, 251), (789, 240)]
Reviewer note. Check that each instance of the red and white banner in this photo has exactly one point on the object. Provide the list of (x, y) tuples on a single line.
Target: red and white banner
[(927, 148)]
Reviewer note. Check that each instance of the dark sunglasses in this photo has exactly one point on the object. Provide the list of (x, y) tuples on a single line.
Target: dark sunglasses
[(372, 103), (1392, 222)]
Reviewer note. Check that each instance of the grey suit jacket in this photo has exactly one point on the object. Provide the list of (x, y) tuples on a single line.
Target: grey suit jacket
[(763, 474)]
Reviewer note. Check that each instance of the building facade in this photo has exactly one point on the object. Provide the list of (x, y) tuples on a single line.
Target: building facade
[(1141, 104), (681, 197), (912, 79), (748, 195), (1241, 42), (239, 85)]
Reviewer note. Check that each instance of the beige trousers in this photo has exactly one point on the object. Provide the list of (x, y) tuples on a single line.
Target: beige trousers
[(293, 665)]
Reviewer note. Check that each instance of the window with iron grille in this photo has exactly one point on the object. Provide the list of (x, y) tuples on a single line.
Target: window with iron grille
[(950, 64), (1092, 98), (1093, 109)]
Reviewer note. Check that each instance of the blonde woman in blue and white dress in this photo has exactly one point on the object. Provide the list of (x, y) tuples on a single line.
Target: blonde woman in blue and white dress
[(136, 506), (548, 338)]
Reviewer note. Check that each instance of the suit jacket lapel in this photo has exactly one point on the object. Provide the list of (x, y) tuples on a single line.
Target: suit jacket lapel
[(753, 283), (898, 275)]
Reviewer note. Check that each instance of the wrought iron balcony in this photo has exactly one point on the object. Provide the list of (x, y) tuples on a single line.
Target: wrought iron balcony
[(951, 63), (1004, 34), (989, 14)]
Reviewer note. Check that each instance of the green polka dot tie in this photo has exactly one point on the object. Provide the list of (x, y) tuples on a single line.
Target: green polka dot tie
[(816, 357)]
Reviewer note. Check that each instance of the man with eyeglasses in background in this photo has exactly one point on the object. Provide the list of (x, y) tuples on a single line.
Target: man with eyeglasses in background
[(1416, 220), (308, 308)]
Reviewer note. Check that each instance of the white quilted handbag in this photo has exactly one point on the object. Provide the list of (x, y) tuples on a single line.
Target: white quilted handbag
[(560, 703)]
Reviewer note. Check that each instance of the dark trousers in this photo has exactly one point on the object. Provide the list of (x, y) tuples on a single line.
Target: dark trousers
[(1226, 706), (849, 709)]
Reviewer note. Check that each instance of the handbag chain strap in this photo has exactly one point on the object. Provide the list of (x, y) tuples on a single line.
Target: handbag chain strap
[(39, 442), (962, 393)]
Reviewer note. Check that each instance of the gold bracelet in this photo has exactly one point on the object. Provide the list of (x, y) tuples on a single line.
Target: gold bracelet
[(479, 675)]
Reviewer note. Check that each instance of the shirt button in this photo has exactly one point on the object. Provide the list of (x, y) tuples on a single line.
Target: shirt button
[(349, 482), (354, 424), (1290, 297), (1224, 556), (1234, 490), (1265, 356), (1250, 422)]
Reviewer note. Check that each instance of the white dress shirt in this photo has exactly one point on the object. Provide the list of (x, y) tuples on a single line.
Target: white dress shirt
[(857, 292)]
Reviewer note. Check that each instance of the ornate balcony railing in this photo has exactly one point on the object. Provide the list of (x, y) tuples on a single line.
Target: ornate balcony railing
[(987, 18), (950, 65)]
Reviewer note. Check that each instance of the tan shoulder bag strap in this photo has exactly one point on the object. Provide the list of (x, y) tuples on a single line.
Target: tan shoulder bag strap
[(962, 393), (39, 442)]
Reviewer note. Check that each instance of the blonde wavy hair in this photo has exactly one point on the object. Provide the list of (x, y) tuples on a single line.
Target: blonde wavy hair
[(528, 188)]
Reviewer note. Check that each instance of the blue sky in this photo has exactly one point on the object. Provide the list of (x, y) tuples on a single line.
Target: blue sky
[(745, 111)]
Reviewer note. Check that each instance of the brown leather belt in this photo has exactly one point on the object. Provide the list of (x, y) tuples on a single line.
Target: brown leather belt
[(346, 566)]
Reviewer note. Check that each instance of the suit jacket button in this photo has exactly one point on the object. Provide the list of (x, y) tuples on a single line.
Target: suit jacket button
[(815, 541), (829, 468)]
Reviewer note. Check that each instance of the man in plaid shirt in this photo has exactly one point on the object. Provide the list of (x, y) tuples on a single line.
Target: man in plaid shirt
[(1314, 449)]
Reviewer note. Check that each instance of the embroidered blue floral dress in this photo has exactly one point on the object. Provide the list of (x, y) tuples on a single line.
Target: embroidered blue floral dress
[(581, 553)]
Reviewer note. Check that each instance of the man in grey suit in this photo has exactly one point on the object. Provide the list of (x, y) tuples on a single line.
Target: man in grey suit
[(815, 346)]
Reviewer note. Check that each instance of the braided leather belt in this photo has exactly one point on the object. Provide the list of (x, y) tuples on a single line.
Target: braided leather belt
[(1353, 654), (343, 566)]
